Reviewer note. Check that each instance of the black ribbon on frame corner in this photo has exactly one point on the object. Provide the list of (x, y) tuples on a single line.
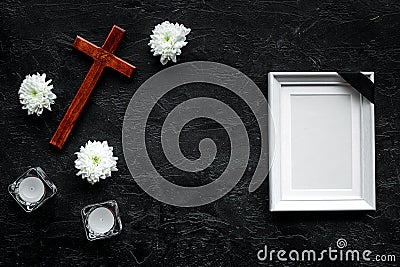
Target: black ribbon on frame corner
[(361, 83)]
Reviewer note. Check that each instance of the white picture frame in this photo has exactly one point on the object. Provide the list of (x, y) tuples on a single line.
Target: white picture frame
[(322, 132)]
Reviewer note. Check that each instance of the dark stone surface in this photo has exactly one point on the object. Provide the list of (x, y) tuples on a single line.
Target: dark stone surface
[(253, 36)]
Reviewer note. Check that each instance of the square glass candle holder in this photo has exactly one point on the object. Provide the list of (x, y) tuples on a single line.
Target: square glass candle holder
[(32, 189), (101, 220)]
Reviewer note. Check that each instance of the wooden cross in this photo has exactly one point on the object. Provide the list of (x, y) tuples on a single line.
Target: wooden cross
[(103, 57)]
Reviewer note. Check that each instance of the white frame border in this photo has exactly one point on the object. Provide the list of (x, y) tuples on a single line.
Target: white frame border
[(367, 199)]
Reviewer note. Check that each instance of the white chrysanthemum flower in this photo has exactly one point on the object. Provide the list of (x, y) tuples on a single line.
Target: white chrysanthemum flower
[(167, 40), (95, 161), (35, 93)]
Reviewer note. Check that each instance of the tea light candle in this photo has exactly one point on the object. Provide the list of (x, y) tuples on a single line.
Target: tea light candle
[(101, 220), (31, 189)]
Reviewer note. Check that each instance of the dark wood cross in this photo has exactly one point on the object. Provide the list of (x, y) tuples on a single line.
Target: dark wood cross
[(103, 57)]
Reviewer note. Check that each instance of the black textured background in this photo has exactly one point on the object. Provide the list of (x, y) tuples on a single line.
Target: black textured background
[(253, 36)]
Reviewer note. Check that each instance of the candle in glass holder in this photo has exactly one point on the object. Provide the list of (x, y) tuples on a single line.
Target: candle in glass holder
[(32, 189), (101, 220)]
